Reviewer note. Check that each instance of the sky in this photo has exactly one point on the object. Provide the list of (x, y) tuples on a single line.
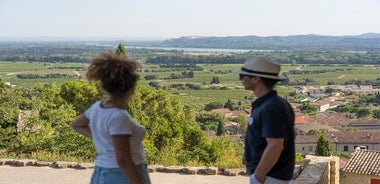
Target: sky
[(163, 19)]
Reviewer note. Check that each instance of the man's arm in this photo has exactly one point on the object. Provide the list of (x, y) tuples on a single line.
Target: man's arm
[(269, 158)]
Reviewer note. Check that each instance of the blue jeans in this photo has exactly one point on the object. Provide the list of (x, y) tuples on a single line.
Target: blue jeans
[(268, 180), (115, 176)]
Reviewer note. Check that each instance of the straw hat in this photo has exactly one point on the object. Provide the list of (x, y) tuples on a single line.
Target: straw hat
[(262, 67)]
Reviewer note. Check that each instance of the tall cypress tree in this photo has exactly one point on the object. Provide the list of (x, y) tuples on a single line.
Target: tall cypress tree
[(323, 147), (220, 129), (121, 50)]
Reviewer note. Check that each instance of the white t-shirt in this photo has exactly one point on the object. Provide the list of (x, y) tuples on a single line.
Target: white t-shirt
[(106, 122)]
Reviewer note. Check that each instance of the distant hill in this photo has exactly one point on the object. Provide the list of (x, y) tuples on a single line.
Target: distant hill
[(367, 41)]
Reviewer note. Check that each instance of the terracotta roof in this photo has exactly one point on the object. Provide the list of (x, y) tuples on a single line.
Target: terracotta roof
[(299, 119), (306, 139), (364, 162), (356, 137), (224, 110), (331, 118), (315, 126), (230, 124), (244, 112)]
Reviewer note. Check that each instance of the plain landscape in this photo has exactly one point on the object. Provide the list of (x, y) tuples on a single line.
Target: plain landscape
[(189, 96)]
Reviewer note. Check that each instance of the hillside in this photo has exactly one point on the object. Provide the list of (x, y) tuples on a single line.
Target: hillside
[(363, 42)]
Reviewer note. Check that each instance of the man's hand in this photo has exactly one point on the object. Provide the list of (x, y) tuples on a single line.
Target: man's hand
[(260, 178)]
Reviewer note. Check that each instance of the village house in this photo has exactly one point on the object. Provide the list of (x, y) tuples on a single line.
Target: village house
[(232, 114), (225, 111), (355, 89), (340, 141), (333, 119), (362, 167), (231, 127), (244, 112), (304, 128), (322, 105), (363, 124)]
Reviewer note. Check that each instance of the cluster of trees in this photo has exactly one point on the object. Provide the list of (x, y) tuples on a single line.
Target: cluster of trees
[(49, 51), (288, 57), (306, 72), (215, 80), (81, 51), (46, 76), (358, 107), (184, 74), (198, 59), (307, 108), (182, 66), (174, 136), (77, 68)]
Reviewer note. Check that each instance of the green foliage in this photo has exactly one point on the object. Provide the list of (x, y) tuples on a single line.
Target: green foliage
[(121, 50), (370, 98), (214, 105), (7, 136), (342, 155), (69, 142), (363, 112), (215, 80), (299, 157), (242, 121), (230, 152), (220, 129), (323, 147), (330, 90), (2, 86), (350, 128), (209, 120), (9, 111), (317, 132), (376, 113), (32, 139), (344, 108), (229, 105), (172, 133), (80, 94), (308, 108)]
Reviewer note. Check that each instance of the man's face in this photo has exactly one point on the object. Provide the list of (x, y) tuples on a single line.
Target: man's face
[(247, 81)]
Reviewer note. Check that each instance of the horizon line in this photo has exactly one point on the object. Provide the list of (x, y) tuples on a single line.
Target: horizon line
[(141, 38)]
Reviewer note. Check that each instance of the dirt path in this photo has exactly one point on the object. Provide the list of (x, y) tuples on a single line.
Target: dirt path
[(47, 175), (341, 76)]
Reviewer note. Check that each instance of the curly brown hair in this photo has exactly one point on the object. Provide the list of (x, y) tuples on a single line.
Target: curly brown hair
[(117, 74)]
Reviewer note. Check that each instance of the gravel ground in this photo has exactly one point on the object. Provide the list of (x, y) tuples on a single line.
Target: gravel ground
[(48, 175)]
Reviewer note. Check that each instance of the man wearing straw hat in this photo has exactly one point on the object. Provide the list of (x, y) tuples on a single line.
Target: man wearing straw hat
[(269, 151)]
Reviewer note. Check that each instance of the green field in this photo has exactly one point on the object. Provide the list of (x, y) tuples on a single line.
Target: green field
[(233, 89), (357, 72), (9, 70)]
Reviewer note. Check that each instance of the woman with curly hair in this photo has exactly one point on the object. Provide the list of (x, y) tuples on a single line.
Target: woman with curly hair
[(117, 137)]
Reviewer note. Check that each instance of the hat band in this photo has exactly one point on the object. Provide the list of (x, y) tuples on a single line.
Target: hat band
[(257, 72)]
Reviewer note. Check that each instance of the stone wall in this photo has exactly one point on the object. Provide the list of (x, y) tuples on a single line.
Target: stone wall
[(352, 178), (320, 170), (151, 168), (313, 170)]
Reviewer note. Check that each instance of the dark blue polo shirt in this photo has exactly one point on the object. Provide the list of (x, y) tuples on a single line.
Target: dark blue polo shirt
[(271, 117)]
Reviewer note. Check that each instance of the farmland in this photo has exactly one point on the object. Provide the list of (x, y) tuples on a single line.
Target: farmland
[(229, 87)]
